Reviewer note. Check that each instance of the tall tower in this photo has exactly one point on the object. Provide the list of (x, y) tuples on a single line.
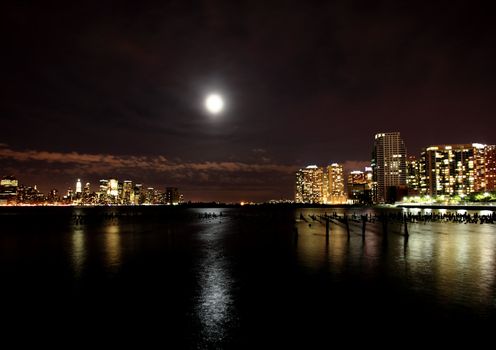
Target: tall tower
[(389, 167), (490, 168), (335, 184), (78, 186), (127, 189), (309, 185)]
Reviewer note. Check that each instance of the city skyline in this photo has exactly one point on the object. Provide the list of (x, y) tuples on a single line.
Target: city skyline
[(390, 175), (96, 89)]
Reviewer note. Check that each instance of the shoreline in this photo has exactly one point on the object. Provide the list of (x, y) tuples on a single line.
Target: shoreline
[(448, 206)]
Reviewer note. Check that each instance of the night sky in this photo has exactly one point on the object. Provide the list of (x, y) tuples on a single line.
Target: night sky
[(113, 89)]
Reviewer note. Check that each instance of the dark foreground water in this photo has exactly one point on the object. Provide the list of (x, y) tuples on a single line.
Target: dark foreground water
[(243, 279)]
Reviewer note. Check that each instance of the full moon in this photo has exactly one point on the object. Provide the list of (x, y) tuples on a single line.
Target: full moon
[(214, 103)]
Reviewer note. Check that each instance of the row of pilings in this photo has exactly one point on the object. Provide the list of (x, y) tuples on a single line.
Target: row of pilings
[(387, 218)]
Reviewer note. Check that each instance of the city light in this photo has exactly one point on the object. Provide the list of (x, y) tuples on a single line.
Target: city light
[(109, 192)]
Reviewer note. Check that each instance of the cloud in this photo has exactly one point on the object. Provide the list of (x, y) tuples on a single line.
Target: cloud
[(103, 163)]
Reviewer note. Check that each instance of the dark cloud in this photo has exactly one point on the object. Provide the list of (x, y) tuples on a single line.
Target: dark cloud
[(231, 177)]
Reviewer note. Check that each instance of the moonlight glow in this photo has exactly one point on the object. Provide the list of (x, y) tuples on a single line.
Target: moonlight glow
[(214, 103)]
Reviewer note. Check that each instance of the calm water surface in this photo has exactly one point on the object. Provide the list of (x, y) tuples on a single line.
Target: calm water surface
[(245, 278)]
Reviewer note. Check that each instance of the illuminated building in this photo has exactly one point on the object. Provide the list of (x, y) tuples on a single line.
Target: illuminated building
[(360, 186), (8, 190), (138, 194), (113, 188), (309, 185), (150, 195), (172, 195), (103, 190), (78, 186), (334, 185), (413, 176), (453, 169), (103, 186), (389, 167), (86, 190), (53, 196), (490, 168), (479, 167), (127, 192), (110, 192)]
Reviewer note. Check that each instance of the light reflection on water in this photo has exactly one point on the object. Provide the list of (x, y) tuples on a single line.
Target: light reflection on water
[(454, 262), (215, 302), (112, 246), (78, 250)]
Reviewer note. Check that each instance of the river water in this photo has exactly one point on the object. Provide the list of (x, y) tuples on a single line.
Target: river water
[(237, 277)]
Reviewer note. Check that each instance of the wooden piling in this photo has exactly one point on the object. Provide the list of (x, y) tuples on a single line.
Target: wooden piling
[(347, 225), (328, 226), (364, 223), (406, 226), (385, 226)]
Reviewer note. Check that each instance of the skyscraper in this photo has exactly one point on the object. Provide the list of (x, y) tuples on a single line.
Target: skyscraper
[(8, 190), (309, 185), (113, 188), (127, 190), (413, 168), (138, 194), (334, 185), (389, 167), (490, 168), (87, 189), (78, 186)]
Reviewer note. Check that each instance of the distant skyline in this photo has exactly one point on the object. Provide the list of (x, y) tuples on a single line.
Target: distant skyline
[(96, 89)]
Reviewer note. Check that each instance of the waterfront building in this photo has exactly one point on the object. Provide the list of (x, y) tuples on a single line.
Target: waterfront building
[(127, 192), (103, 186), (113, 188), (149, 196), (8, 190), (389, 167), (53, 196), (309, 185), (490, 167), (360, 186), (456, 169), (413, 176), (78, 187), (87, 190), (172, 196), (334, 192), (138, 194)]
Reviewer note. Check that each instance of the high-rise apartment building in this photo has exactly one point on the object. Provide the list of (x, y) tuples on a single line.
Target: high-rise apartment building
[(413, 176), (334, 192), (389, 167), (458, 169), (490, 168), (309, 185)]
